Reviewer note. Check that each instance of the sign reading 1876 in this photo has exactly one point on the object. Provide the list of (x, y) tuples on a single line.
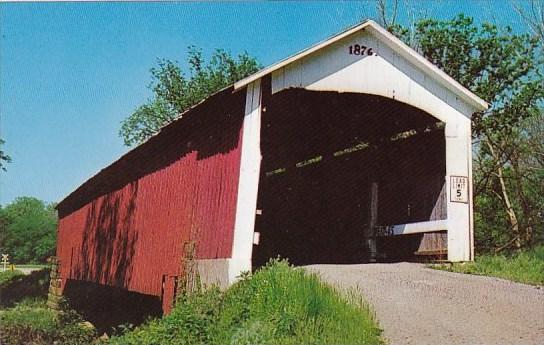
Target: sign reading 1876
[(358, 49), (459, 189)]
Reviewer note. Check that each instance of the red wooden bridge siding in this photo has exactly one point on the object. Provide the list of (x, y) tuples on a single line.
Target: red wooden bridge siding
[(126, 226)]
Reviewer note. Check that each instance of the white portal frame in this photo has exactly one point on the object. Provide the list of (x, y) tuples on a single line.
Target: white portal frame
[(394, 71)]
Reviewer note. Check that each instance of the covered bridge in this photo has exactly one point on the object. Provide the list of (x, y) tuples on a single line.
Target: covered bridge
[(354, 150)]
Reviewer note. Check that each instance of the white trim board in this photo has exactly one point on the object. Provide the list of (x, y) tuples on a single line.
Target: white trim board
[(420, 227), (248, 183)]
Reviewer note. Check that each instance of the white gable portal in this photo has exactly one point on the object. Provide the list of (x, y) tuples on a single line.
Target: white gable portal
[(377, 69), (367, 59)]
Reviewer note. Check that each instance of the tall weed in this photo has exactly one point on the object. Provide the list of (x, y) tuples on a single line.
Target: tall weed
[(279, 304)]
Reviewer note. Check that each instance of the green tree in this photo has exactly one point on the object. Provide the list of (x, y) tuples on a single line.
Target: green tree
[(510, 172), (501, 67), (506, 70), (174, 91), (4, 158), (28, 229)]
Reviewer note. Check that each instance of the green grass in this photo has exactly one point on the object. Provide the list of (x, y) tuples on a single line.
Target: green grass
[(30, 313), (277, 305), (25, 318), (525, 267), (31, 322), (8, 277), (16, 286)]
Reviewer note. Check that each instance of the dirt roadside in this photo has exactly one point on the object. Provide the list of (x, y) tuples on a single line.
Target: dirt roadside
[(419, 305)]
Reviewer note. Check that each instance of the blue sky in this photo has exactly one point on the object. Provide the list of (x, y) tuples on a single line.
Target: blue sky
[(70, 72)]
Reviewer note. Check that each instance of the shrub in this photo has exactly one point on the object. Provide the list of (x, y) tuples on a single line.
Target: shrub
[(188, 323)]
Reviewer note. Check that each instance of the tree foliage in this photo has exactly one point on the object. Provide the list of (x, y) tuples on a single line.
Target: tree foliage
[(506, 69), (175, 91), (501, 67), (28, 230), (4, 157), (509, 175)]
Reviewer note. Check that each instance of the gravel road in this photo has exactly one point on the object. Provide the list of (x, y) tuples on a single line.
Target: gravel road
[(28, 270), (419, 305), (25, 270)]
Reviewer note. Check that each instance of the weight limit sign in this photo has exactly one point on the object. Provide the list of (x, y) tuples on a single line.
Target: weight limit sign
[(459, 189)]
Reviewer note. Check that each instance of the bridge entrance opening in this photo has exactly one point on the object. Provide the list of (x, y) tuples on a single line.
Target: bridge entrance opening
[(345, 176)]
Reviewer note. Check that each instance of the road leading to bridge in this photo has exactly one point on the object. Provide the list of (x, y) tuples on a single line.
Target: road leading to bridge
[(418, 305)]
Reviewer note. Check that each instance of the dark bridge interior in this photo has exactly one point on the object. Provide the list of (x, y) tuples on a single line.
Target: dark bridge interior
[(322, 152)]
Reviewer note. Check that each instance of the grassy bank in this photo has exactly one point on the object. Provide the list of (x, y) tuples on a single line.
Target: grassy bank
[(25, 318), (277, 305), (32, 322), (16, 286), (525, 267)]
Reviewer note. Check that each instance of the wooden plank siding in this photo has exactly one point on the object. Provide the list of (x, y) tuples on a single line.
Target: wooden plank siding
[(127, 225)]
